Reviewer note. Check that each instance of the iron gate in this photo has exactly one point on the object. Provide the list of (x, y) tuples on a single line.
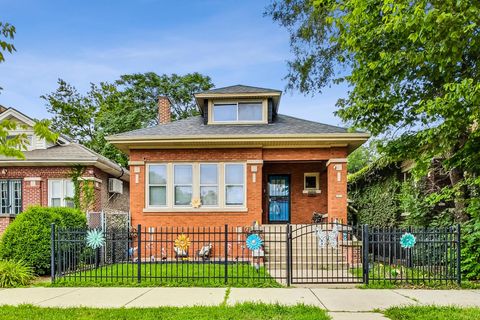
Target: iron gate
[(325, 253)]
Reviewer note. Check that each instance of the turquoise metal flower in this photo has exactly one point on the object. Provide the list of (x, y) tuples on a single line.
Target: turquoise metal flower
[(408, 240), (95, 238), (254, 242)]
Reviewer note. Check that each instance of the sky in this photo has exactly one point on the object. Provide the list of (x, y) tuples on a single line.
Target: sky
[(92, 41)]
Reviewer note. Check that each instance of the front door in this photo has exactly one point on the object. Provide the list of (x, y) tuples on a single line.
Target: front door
[(278, 198)]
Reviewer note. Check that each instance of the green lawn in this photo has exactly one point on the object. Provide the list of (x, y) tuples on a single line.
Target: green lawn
[(430, 313), (243, 311), (171, 274), (388, 277)]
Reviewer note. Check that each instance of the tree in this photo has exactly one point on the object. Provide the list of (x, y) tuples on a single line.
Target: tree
[(412, 66), (128, 103), (12, 145), (363, 156)]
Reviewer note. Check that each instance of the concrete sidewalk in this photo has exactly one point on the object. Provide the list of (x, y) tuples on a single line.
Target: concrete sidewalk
[(341, 303)]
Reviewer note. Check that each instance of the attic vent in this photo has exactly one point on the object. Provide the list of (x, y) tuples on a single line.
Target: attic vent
[(115, 185)]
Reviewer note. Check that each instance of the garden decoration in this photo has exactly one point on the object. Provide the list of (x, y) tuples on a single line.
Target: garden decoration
[(408, 240), (254, 242), (182, 242), (322, 238), (95, 238), (333, 237)]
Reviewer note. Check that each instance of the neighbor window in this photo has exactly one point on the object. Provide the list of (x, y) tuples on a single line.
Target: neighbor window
[(209, 184), (311, 181), (234, 184), (238, 112), (10, 196), (60, 193), (157, 185), (183, 184)]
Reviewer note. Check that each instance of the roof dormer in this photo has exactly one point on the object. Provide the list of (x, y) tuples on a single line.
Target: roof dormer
[(238, 104)]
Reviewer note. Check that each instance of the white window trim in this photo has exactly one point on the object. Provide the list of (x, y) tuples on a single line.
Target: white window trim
[(147, 184), (200, 185), (64, 191), (264, 103), (174, 185), (171, 207), (244, 186)]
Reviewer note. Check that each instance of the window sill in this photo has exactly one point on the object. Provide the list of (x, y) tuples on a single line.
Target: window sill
[(193, 210), (312, 191), (7, 215)]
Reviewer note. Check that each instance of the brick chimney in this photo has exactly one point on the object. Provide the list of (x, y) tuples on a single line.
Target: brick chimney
[(164, 112)]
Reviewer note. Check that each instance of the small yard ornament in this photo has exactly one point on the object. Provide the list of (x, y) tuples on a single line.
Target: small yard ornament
[(333, 237), (182, 242), (322, 238), (254, 242), (95, 238), (408, 240)]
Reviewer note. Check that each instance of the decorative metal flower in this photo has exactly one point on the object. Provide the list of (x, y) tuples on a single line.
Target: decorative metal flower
[(95, 238), (196, 202), (408, 240), (182, 242), (254, 242)]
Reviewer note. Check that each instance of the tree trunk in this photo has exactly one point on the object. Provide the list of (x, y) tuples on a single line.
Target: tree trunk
[(456, 176)]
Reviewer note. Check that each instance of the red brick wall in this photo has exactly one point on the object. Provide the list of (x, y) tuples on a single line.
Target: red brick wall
[(337, 190), (302, 205), (36, 193), (137, 190), (5, 220)]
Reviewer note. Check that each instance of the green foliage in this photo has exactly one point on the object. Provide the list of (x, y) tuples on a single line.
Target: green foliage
[(84, 191), (412, 203), (376, 204), (27, 238), (471, 242), (432, 312), (7, 33), (364, 156), (412, 69), (14, 274), (128, 103)]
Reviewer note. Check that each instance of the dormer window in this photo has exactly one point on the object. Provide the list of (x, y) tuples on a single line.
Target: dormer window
[(239, 112)]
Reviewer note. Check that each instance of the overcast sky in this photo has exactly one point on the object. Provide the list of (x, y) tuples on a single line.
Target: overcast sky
[(92, 41)]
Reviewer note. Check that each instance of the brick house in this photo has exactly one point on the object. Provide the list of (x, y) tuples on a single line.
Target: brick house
[(239, 161), (44, 176)]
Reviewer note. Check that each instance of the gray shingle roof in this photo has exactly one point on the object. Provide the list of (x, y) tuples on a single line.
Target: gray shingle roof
[(239, 88), (68, 153), (194, 126)]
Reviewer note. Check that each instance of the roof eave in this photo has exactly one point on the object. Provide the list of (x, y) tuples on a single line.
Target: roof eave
[(351, 140)]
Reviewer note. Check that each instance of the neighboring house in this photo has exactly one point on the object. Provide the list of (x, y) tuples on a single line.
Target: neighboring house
[(44, 176), (239, 162)]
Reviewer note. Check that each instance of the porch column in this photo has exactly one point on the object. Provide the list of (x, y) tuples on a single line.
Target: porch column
[(337, 189)]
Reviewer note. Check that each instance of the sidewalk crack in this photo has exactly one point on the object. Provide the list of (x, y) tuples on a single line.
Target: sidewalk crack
[(408, 297), (318, 299), (60, 295), (140, 295)]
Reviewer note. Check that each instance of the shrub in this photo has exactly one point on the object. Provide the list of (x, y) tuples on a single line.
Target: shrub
[(27, 238), (14, 273)]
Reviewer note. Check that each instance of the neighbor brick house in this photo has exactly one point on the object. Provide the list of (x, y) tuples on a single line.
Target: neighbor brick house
[(239, 161), (44, 176)]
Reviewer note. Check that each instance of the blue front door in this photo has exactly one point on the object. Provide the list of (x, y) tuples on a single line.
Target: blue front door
[(279, 198)]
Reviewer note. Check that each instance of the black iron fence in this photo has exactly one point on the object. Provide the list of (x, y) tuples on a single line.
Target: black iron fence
[(411, 255), (268, 255)]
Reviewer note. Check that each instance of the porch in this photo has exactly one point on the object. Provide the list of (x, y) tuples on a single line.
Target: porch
[(293, 190)]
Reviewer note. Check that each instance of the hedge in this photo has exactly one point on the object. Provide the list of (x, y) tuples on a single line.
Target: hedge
[(27, 238)]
